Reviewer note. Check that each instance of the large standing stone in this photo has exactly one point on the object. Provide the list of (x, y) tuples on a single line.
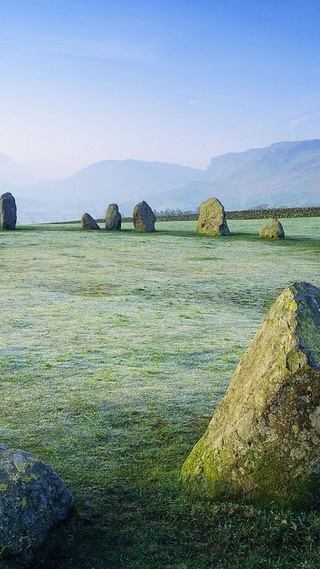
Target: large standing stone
[(113, 218), (212, 218), (263, 441), (272, 230), (32, 500), (8, 211), (87, 222), (143, 217)]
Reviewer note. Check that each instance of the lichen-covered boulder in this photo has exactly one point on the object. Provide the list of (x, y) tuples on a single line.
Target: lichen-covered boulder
[(212, 219), (87, 222), (32, 500), (113, 218), (272, 230), (143, 218), (8, 211), (262, 444)]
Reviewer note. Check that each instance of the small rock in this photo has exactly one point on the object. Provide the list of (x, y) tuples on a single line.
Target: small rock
[(8, 211), (143, 218), (212, 219), (113, 218), (88, 222), (272, 230)]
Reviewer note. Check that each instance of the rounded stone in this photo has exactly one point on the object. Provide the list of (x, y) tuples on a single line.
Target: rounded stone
[(32, 500), (113, 218), (8, 211), (212, 219)]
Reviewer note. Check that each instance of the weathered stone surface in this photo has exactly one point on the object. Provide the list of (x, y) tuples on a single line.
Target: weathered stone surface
[(113, 218), (8, 211), (88, 222), (272, 230), (32, 500), (143, 218), (212, 219), (262, 444)]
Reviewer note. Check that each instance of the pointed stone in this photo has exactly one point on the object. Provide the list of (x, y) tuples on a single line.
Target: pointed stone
[(262, 444), (87, 222), (272, 230), (212, 219), (143, 218)]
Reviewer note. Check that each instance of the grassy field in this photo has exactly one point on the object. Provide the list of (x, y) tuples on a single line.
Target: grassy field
[(115, 350)]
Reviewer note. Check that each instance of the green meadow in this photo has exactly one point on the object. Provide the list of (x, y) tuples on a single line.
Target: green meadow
[(115, 351)]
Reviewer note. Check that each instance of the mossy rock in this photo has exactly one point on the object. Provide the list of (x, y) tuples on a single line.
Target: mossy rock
[(272, 230), (212, 219), (262, 444), (32, 500)]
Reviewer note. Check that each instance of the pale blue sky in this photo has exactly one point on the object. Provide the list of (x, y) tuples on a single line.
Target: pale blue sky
[(174, 81)]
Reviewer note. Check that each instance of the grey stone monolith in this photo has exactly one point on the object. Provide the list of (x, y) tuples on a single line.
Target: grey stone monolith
[(263, 442), (212, 219), (272, 230), (87, 222), (143, 218), (33, 499), (8, 211), (113, 218)]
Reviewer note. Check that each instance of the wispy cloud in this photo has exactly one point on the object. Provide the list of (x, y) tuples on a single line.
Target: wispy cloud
[(109, 50), (297, 122), (106, 50)]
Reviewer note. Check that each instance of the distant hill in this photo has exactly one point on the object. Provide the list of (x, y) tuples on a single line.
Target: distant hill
[(283, 174), (11, 174), (93, 188)]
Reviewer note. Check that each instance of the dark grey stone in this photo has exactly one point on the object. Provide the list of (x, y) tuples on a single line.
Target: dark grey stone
[(32, 500), (88, 222), (143, 218), (8, 211), (113, 218)]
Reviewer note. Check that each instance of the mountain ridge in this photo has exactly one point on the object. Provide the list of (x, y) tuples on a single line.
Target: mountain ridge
[(282, 174)]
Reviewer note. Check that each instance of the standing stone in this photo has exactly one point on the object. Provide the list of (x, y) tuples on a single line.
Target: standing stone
[(272, 230), (262, 444), (88, 222), (212, 219), (8, 211), (113, 218), (143, 218), (32, 500)]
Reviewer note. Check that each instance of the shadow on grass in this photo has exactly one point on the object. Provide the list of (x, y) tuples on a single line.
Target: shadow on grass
[(158, 527)]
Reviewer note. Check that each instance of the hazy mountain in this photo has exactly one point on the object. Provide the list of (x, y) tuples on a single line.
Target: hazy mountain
[(283, 174), (11, 174), (93, 188)]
